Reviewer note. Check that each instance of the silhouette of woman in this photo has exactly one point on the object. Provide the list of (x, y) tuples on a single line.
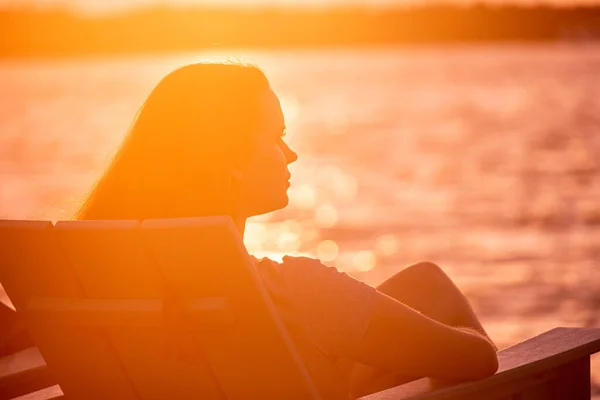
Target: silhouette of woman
[(209, 140)]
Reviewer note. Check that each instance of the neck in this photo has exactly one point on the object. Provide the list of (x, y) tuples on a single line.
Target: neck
[(239, 220), (238, 210), (240, 224)]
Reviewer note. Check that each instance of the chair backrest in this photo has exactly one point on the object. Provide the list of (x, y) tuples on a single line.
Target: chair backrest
[(165, 309)]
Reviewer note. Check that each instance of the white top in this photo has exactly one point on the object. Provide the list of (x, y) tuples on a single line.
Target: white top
[(326, 313)]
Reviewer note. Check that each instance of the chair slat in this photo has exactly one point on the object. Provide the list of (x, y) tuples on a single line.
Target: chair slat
[(201, 257), (23, 372), (112, 264), (49, 393), (32, 264), (209, 313)]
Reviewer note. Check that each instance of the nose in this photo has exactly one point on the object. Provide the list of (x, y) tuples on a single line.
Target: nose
[(290, 154)]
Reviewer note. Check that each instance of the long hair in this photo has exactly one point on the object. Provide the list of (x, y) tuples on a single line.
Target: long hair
[(175, 160)]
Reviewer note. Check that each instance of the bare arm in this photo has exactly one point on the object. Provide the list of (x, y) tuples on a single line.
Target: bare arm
[(349, 319), (401, 340)]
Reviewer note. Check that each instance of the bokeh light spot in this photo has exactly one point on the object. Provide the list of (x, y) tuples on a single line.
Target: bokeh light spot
[(303, 196), (328, 250), (364, 261)]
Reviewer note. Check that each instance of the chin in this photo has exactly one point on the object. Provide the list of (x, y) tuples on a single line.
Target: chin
[(274, 205), (285, 202), (280, 203)]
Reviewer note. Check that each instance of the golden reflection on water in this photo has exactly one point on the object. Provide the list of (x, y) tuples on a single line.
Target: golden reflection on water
[(356, 261), (341, 185), (255, 236), (288, 242), (387, 245), (326, 216), (483, 160)]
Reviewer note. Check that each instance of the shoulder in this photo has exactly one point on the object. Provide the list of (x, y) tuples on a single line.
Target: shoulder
[(304, 271), (297, 275), (303, 276), (305, 263), (313, 269), (292, 264)]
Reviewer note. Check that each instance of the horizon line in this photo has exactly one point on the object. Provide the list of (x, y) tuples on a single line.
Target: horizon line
[(407, 5)]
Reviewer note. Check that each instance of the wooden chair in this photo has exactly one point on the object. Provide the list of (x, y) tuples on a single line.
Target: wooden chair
[(174, 309)]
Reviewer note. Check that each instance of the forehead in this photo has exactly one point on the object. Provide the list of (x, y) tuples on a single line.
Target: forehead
[(272, 113)]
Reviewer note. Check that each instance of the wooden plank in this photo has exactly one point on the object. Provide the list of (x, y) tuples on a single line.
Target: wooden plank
[(50, 393), (573, 382), (522, 366), (13, 335), (205, 257), (112, 263), (23, 372), (32, 264), (211, 313), (555, 347), (16, 251)]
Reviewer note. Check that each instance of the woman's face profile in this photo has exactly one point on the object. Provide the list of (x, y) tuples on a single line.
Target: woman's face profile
[(263, 171)]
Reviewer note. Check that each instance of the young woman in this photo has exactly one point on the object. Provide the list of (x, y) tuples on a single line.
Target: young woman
[(209, 141)]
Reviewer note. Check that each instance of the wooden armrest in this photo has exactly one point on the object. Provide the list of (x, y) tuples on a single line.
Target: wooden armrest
[(547, 366), (554, 365), (22, 373)]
